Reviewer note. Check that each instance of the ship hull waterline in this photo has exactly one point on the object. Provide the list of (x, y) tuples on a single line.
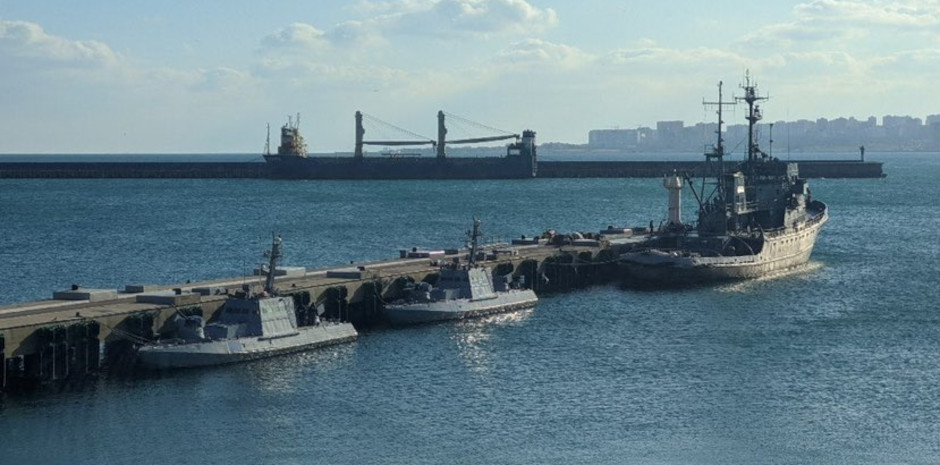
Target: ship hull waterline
[(288, 167), (418, 313), (779, 255), (228, 351)]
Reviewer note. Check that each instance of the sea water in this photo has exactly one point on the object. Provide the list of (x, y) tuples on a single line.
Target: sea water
[(836, 363)]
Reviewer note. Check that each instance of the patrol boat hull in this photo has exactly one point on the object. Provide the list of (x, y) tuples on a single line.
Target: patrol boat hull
[(417, 313), (225, 351)]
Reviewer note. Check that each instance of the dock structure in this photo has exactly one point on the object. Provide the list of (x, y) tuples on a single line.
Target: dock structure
[(64, 338), (544, 169)]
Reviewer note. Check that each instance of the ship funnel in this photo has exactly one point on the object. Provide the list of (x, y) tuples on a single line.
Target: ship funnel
[(673, 184)]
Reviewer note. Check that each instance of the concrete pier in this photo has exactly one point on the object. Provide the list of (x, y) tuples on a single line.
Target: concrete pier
[(60, 339)]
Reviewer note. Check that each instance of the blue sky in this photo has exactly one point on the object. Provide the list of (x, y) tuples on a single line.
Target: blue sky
[(191, 77)]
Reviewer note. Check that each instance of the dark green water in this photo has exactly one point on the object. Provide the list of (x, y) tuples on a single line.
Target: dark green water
[(839, 363)]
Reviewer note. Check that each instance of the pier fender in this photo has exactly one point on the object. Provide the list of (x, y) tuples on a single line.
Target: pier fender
[(335, 303), (503, 269), (120, 353), (529, 269)]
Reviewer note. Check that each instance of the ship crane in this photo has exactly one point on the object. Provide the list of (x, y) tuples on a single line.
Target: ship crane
[(360, 132), (439, 144), (442, 132)]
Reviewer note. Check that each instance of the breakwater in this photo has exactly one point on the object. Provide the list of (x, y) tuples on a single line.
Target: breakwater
[(545, 169), (656, 169), (170, 170)]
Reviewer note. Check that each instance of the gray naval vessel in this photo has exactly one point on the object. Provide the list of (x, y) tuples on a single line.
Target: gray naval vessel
[(754, 218), (463, 290), (248, 327)]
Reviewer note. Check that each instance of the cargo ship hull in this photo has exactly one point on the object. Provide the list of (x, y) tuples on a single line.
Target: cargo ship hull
[(292, 167)]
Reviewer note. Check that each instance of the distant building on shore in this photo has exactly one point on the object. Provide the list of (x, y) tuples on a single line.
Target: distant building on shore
[(895, 133)]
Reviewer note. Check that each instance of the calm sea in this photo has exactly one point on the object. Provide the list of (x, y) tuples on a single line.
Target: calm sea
[(839, 363)]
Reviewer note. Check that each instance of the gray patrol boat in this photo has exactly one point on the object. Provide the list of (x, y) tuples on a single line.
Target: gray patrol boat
[(754, 219), (462, 291), (248, 327)]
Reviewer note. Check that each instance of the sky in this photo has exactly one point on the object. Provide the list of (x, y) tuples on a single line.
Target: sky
[(207, 77)]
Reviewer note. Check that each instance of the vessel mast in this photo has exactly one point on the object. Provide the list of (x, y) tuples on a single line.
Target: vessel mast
[(359, 133), (273, 255), (267, 141), (718, 151), (753, 114), (474, 240), (441, 135)]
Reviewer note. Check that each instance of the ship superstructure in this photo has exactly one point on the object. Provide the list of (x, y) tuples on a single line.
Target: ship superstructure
[(754, 218)]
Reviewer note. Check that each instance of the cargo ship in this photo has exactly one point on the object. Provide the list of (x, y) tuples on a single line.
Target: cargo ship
[(755, 218), (293, 162)]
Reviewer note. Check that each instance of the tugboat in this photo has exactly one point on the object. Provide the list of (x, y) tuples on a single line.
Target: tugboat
[(462, 291), (754, 219), (248, 327)]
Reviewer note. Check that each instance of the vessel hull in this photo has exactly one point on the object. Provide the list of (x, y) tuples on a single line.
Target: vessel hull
[(225, 351), (780, 253), (417, 313), (292, 167)]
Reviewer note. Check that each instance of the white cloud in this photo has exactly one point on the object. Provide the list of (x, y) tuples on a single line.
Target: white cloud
[(454, 19), (540, 52), (919, 14), (650, 54), (840, 24), (297, 36), (27, 44), (786, 35), (457, 18), (924, 63), (220, 79)]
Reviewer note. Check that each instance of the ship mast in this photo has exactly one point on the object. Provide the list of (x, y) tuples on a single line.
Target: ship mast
[(267, 141), (474, 240), (718, 150), (753, 115), (273, 255)]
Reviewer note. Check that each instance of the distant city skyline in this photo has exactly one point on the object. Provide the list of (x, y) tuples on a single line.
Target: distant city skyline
[(894, 133), (206, 77)]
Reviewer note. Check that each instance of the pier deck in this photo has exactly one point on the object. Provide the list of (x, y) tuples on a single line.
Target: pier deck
[(33, 333)]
